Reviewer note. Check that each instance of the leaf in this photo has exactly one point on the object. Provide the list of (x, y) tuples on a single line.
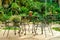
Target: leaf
[(15, 5)]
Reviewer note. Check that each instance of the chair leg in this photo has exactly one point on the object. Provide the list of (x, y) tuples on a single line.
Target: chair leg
[(15, 30), (36, 29), (4, 32), (45, 32), (24, 29), (8, 31), (41, 29), (33, 28), (51, 30), (19, 32), (28, 28)]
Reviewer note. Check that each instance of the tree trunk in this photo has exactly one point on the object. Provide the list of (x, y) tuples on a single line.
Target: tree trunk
[(0, 2), (59, 2)]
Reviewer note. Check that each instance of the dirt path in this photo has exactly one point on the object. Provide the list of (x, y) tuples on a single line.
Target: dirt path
[(11, 36), (29, 36)]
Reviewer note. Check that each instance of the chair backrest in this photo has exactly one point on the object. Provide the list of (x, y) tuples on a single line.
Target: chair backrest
[(24, 19)]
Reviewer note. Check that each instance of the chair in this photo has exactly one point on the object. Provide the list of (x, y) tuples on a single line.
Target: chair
[(24, 22), (35, 25), (45, 25), (7, 25)]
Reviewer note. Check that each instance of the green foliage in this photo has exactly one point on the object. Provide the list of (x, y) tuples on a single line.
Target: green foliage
[(23, 14), (24, 10), (22, 7), (5, 17), (57, 10), (35, 14), (1, 9), (1, 16), (38, 5), (14, 5), (56, 28), (9, 13), (10, 28)]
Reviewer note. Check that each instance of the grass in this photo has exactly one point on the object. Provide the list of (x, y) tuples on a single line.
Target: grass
[(56, 28), (10, 28)]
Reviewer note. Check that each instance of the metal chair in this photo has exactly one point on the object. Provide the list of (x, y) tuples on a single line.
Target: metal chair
[(35, 25), (24, 22), (44, 26), (7, 25)]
